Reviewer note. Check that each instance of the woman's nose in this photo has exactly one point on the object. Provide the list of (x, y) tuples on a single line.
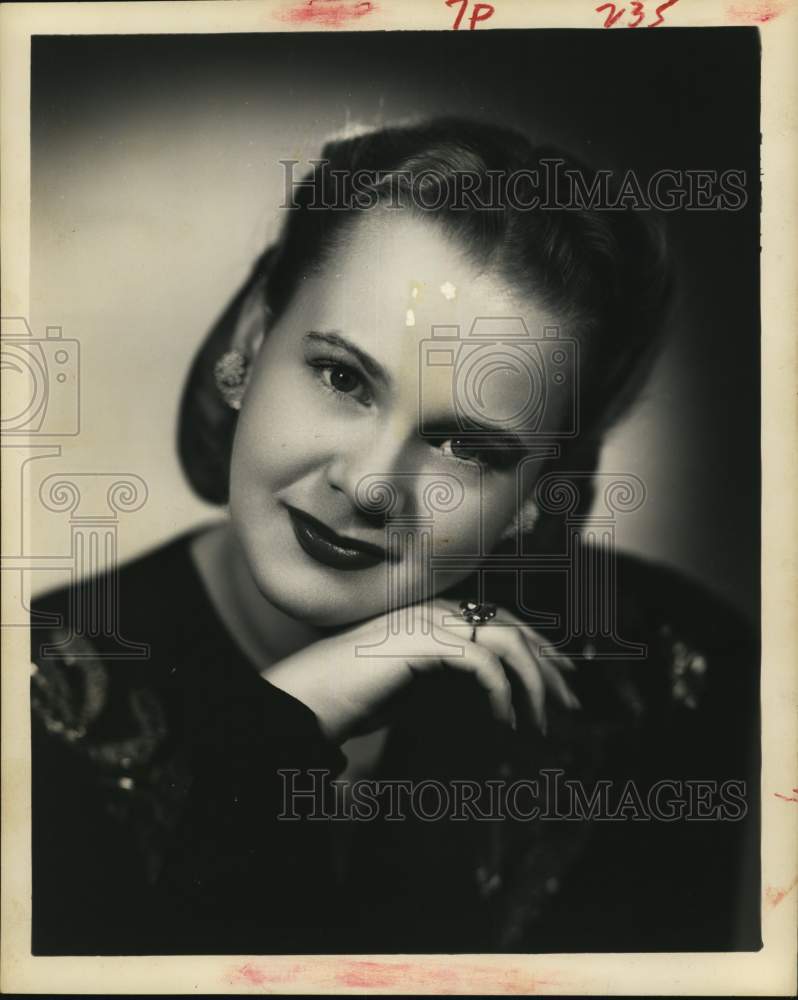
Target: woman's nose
[(375, 473)]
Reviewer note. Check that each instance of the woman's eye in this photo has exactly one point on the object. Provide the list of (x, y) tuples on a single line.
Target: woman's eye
[(460, 448), (344, 381), (494, 455)]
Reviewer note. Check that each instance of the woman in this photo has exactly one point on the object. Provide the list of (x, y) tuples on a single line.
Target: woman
[(369, 608)]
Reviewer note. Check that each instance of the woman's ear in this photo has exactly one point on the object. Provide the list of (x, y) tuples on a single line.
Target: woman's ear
[(252, 324), (207, 421), (232, 369)]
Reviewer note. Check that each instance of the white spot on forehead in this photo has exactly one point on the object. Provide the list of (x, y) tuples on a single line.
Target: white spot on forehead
[(448, 290)]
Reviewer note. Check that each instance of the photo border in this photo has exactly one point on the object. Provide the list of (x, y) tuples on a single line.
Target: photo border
[(770, 971)]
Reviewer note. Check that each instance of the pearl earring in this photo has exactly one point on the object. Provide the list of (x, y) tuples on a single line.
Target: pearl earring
[(231, 372)]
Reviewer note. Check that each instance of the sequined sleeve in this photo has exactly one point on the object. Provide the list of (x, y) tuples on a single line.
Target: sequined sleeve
[(154, 802), (684, 717)]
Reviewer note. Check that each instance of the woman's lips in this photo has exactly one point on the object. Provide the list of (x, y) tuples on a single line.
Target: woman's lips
[(325, 546)]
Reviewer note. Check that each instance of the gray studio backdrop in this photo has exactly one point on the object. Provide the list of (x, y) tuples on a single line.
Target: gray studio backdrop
[(155, 182)]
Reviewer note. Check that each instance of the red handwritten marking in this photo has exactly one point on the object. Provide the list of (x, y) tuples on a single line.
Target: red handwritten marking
[(459, 18), (755, 13), (787, 798), (481, 12), (613, 16), (326, 13), (411, 977), (638, 12), (774, 896), (660, 12)]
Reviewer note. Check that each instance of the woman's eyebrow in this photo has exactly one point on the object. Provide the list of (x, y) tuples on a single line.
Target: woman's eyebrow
[(334, 339)]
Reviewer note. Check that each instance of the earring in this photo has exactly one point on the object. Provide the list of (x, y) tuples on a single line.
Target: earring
[(523, 522), (231, 372), (528, 517)]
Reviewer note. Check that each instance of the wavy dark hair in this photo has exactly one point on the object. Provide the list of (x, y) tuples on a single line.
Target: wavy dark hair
[(607, 271)]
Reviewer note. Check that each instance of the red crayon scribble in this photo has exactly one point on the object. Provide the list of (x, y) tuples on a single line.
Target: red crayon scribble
[(253, 975), (373, 975), (435, 980), (326, 13), (422, 977), (249, 974), (755, 13), (774, 896), (788, 798), (408, 977)]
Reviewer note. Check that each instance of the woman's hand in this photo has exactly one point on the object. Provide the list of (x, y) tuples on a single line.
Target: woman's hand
[(347, 679)]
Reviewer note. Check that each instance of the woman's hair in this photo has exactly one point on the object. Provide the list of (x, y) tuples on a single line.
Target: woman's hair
[(604, 271)]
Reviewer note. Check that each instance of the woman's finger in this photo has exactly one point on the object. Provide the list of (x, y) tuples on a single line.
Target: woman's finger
[(478, 661), (507, 642), (511, 643), (551, 664), (550, 667), (519, 647), (539, 642), (556, 683)]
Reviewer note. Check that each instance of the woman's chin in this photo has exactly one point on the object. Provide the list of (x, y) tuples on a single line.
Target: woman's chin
[(321, 604)]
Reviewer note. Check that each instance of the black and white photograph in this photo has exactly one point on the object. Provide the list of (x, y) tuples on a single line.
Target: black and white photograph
[(386, 427)]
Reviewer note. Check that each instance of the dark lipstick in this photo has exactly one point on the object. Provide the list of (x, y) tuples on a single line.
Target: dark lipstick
[(331, 549)]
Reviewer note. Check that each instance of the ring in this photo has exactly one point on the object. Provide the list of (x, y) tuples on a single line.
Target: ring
[(475, 613)]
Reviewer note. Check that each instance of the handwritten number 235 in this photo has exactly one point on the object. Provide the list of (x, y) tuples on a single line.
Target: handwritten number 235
[(636, 13)]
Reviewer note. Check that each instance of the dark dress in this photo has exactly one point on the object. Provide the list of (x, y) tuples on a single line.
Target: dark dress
[(156, 793)]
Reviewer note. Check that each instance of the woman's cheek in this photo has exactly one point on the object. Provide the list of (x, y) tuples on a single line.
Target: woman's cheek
[(284, 415), (479, 520), (456, 533), (500, 508)]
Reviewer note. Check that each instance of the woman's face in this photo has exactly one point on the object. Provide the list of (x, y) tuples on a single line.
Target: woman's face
[(348, 402)]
